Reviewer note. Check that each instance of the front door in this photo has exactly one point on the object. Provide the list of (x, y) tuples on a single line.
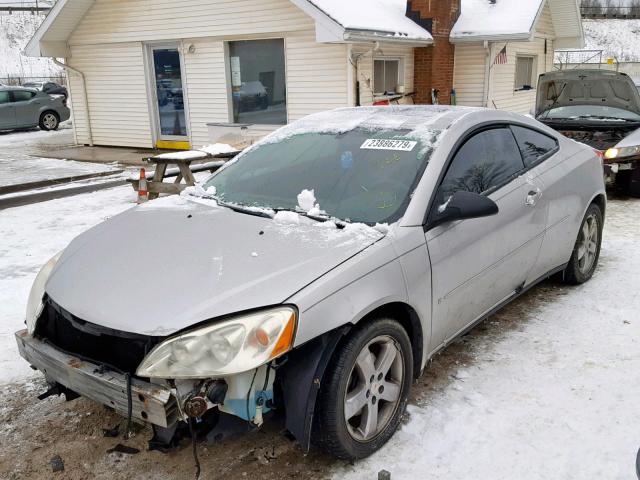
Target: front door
[(476, 264), (7, 111), (168, 97)]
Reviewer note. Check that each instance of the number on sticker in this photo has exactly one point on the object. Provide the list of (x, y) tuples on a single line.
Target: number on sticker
[(383, 144)]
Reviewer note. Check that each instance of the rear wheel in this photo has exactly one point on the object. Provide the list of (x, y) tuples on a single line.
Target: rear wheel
[(364, 392), (49, 121), (586, 251)]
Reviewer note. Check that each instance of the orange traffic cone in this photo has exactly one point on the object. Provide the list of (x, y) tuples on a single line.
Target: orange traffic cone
[(143, 193)]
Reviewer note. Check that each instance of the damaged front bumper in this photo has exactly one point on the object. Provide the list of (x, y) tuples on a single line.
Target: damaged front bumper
[(151, 403)]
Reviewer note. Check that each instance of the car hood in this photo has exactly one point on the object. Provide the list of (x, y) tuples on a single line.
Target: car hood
[(631, 140), (173, 263), (586, 87)]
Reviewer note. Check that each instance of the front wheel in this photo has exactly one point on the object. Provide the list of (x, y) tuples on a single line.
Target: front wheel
[(49, 121), (364, 392), (586, 251)]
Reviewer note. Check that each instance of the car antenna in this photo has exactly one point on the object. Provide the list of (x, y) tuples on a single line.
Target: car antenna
[(555, 100)]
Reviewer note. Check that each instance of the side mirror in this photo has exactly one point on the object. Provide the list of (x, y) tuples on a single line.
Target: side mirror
[(461, 206)]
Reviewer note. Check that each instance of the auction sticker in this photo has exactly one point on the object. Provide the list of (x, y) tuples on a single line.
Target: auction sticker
[(382, 144)]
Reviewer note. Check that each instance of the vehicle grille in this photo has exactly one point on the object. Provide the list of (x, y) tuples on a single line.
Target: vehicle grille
[(122, 351)]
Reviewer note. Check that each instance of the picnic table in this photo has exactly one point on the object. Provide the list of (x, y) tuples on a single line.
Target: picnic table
[(183, 169)]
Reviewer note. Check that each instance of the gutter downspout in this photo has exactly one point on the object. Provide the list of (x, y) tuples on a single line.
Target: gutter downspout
[(487, 73), (84, 91)]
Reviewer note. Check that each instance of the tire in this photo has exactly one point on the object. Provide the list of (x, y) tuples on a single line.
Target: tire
[(49, 120), (362, 355), (584, 258)]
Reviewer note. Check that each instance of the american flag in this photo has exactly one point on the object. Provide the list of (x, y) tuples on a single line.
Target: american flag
[(501, 58)]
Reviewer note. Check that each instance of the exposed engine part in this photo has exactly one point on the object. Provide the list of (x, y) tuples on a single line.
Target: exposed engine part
[(216, 391), (195, 406), (247, 391), (600, 139)]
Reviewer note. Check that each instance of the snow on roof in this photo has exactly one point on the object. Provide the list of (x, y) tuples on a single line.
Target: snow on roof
[(480, 19), (388, 16)]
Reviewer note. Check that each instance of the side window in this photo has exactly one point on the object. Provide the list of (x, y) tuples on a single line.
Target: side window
[(487, 160), (4, 97), (22, 95), (533, 145)]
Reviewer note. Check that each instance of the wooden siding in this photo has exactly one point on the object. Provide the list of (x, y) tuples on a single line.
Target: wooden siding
[(117, 95), (365, 67), (316, 75), (158, 20), (469, 73)]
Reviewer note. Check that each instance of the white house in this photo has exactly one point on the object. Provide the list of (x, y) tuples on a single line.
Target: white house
[(149, 73), (154, 72), (528, 32)]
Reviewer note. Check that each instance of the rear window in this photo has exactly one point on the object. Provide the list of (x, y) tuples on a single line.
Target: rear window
[(22, 95), (4, 97), (535, 146)]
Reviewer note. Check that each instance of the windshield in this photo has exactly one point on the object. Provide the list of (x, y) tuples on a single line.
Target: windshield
[(597, 113), (358, 176)]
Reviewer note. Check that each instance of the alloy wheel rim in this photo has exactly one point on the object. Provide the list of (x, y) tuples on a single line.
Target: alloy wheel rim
[(49, 120), (373, 389), (588, 244)]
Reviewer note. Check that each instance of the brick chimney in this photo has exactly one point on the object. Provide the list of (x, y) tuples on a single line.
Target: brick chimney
[(434, 64)]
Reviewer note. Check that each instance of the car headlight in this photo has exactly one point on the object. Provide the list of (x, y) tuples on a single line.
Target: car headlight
[(232, 346), (622, 152), (34, 304)]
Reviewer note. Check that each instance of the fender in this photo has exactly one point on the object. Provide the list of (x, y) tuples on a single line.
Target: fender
[(300, 379)]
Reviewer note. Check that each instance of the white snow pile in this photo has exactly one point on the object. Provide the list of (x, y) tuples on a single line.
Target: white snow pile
[(15, 31), (218, 149), (387, 16), (504, 17), (185, 155), (619, 39), (203, 152)]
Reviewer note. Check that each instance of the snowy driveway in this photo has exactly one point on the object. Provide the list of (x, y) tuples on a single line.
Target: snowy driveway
[(546, 388)]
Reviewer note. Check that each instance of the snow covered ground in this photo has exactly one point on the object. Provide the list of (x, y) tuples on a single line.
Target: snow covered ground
[(30, 236), (15, 31)]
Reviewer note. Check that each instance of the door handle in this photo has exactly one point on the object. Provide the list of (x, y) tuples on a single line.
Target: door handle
[(532, 197)]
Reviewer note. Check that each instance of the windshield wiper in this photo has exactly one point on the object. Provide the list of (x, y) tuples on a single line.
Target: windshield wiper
[(602, 117), (255, 211), (318, 218)]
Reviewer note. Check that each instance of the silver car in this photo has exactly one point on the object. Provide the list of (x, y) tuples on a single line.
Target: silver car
[(27, 107), (317, 273)]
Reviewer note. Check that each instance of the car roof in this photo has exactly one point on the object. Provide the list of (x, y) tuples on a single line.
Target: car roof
[(415, 118), (9, 87)]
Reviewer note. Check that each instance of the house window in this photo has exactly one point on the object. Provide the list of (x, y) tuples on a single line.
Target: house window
[(525, 67), (258, 84), (386, 75)]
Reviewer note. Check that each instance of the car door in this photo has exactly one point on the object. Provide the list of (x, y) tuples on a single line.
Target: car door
[(7, 110), (477, 264), (542, 155), (27, 107)]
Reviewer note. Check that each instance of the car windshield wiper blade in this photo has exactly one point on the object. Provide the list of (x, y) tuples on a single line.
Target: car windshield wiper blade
[(318, 218), (602, 117), (255, 211)]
